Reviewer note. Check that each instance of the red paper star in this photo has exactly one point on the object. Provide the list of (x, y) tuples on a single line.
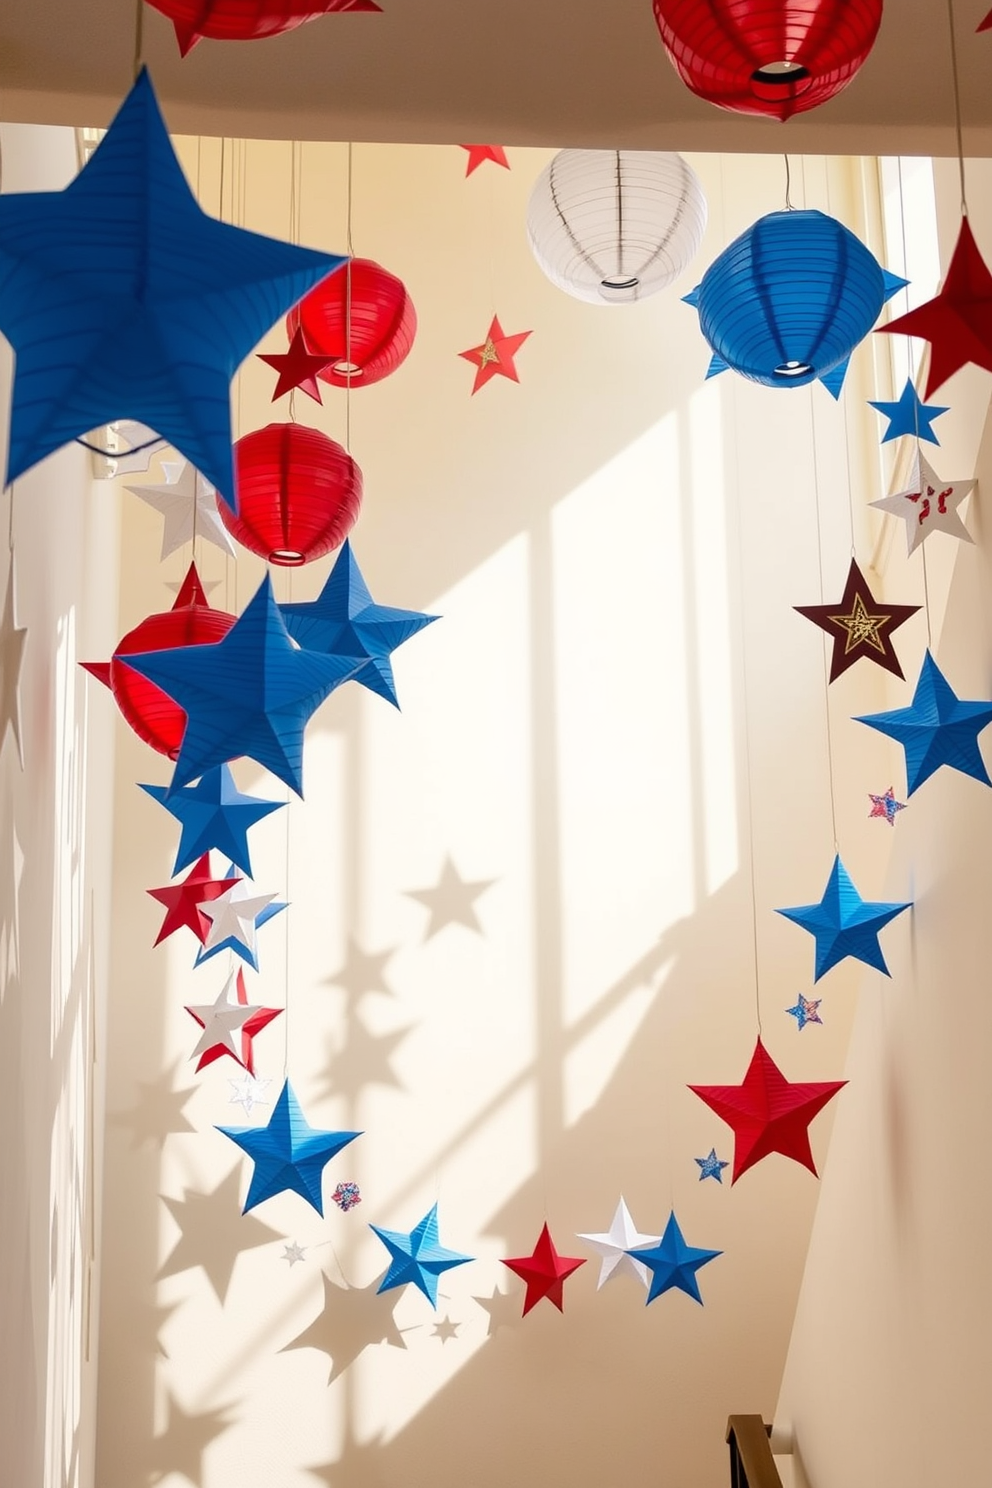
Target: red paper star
[(495, 355), (297, 368), (768, 1114), (958, 321), (479, 154), (545, 1272), (182, 900), (860, 625)]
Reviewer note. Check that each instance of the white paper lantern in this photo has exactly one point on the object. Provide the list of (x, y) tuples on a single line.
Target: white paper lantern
[(611, 226)]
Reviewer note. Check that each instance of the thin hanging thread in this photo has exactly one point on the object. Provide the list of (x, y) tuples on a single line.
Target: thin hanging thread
[(139, 28), (289, 804), (10, 519), (926, 595), (295, 194), (844, 403), (957, 104), (826, 675), (788, 186), (909, 365), (347, 307)]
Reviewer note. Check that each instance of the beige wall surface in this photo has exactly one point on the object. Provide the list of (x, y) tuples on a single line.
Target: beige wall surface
[(55, 837), (890, 1362), (615, 547)]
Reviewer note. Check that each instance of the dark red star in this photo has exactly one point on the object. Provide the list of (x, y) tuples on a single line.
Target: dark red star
[(182, 900), (479, 154), (768, 1114), (958, 321), (297, 368), (545, 1272), (495, 355), (859, 625)]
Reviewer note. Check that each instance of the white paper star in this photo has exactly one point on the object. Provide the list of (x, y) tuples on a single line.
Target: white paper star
[(222, 1020), (188, 504), (928, 504), (622, 1236), (234, 913), (247, 1091), (12, 638)]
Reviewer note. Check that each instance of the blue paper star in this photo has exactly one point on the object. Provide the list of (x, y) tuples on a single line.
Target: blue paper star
[(233, 942), (909, 416), (843, 924), (248, 694), (672, 1263), (711, 1167), (937, 729), (805, 1011), (289, 1154), (213, 813), (123, 300), (343, 621), (417, 1257)]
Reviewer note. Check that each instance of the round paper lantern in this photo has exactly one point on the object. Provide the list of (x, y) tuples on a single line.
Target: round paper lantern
[(790, 299), (245, 20), (298, 494), (154, 716), (611, 226), (773, 57), (383, 323)]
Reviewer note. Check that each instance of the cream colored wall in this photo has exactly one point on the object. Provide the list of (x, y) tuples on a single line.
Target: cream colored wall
[(55, 830), (606, 542), (890, 1359)]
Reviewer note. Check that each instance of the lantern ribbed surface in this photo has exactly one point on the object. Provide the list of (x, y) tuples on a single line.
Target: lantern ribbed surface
[(772, 57), (298, 494), (790, 298), (612, 226), (383, 323), (246, 20), (154, 717)]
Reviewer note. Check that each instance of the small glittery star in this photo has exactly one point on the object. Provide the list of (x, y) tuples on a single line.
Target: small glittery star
[(886, 806), (247, 1092), (805, 1011), (495, 355), (711, 1166), (860, 625)]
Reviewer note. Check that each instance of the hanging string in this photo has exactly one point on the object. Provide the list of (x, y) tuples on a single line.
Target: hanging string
[(926, 595), (285, 1016), (220, 192), (10, 519), (347, 308), (139, 28), (957, 103), (295, 196), (826, 674), (788, 186)]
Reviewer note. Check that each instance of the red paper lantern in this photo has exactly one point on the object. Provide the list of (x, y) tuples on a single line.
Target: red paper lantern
[(772, 57), (246, 20), (298, 494), (154, 717), (383, 323)]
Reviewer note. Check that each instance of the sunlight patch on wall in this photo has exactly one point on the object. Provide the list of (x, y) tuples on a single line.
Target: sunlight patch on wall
[(592, 1062)]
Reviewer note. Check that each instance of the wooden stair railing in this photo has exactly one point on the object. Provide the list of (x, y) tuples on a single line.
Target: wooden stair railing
[(751, 1462)]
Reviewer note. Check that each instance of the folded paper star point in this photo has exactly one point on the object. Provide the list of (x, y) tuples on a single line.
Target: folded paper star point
[(188, 504), (544, 1272), (615, 1246), (859, 625), (289, 1155), (234, 918), (673, 1264), (213, 813), (229, 1025), (417, 1257), (928, 504), (908, 415), (767, 1113), (122, 299), (184, 901), (495, 357), (297, 368), (843, 924), (938, 728)]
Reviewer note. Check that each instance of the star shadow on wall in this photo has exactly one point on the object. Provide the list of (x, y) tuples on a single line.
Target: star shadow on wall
[(351, 1320), (362, 1059), (158, 1112), (213, 1233), (452, 900), (181, 1446), (361, 972), (358, 1462)]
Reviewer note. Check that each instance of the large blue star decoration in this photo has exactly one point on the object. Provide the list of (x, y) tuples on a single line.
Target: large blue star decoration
[(909, 416), (672, 1263), (938, 728), (417, 1257), (806, 1010), (344, 621), (122, 299), (711, 1166), (289, 1154), (251, 693), (886, 806), (843, 924), (214, 814)]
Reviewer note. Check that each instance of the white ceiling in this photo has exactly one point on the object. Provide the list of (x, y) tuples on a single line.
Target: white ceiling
[(559, 72)]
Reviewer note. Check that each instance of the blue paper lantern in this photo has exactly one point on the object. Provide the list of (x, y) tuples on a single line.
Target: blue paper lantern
[(790, 299)]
